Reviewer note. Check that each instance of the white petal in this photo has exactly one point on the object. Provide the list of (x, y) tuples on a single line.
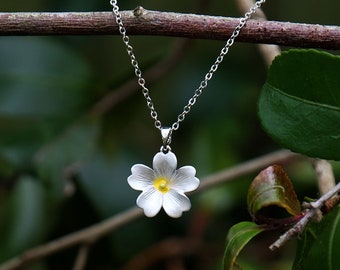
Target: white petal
[(151, 201), (141, 178), (185, 179), (164, 164), (174, 203)]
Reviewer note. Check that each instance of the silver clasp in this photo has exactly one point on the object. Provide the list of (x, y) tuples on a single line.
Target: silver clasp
[(166, 133)]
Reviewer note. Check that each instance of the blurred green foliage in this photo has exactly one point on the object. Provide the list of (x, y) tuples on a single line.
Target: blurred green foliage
[(63, 168)]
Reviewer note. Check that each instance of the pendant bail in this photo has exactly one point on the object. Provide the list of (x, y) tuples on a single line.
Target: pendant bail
[(166, 133)]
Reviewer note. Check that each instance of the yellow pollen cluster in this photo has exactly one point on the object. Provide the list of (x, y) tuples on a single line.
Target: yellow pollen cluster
[(161, 184)]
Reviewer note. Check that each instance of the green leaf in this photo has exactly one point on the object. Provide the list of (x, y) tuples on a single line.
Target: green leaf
[(272, 187), (238, 236), (319, 248), (299, 105), (24, 221)]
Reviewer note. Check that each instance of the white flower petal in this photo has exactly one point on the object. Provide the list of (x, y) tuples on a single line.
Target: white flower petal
[(164, 164), (141, 178), (185, 179), (174, 203), (151, 201)]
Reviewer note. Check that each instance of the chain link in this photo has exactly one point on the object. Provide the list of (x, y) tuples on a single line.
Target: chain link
[(207, 77)]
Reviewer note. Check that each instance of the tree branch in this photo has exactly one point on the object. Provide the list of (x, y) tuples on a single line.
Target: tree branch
[(147, 22), (96, 231)]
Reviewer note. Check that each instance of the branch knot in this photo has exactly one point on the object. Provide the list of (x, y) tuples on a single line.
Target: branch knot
[(138, 11)]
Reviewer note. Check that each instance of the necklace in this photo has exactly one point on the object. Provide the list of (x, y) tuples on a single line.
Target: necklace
[(164, 185)]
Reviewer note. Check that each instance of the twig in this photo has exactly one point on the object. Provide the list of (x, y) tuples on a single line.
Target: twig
[(268, 52), (150, 75), (98, 230), (312, 210), (325, 175), (170, 24), (246, 168), (82, 257), (89, 234), (168, 248), (321, 201)]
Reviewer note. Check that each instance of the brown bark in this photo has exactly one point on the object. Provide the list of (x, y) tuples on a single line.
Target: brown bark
[(147, 22)]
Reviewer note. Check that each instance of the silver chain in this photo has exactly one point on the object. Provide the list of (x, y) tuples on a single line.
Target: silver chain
[(203, 84)]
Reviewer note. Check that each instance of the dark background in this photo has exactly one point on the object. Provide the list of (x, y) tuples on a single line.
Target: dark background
[(63, 167)]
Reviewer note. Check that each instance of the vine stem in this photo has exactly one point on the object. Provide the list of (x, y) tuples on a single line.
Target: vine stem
[(96, 231), (150, 22)]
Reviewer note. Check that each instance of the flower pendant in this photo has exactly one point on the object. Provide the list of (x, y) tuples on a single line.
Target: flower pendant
[(164, 185)]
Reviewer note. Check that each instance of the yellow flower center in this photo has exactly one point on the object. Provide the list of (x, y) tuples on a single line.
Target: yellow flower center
[(161, 184)]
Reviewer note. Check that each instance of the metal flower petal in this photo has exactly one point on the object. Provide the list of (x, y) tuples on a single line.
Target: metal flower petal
[(175, 204), (150, 201), (141, 178), (185, 180), (164, 185), (164, 164)]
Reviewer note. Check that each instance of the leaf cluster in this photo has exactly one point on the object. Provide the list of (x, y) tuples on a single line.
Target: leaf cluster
[(299, 107)]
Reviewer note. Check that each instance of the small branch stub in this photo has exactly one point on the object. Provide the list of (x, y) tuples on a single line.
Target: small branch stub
[(138, 11)]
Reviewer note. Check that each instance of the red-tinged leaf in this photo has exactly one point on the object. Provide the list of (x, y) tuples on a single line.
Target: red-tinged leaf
[(272, 187), (238, 236)]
